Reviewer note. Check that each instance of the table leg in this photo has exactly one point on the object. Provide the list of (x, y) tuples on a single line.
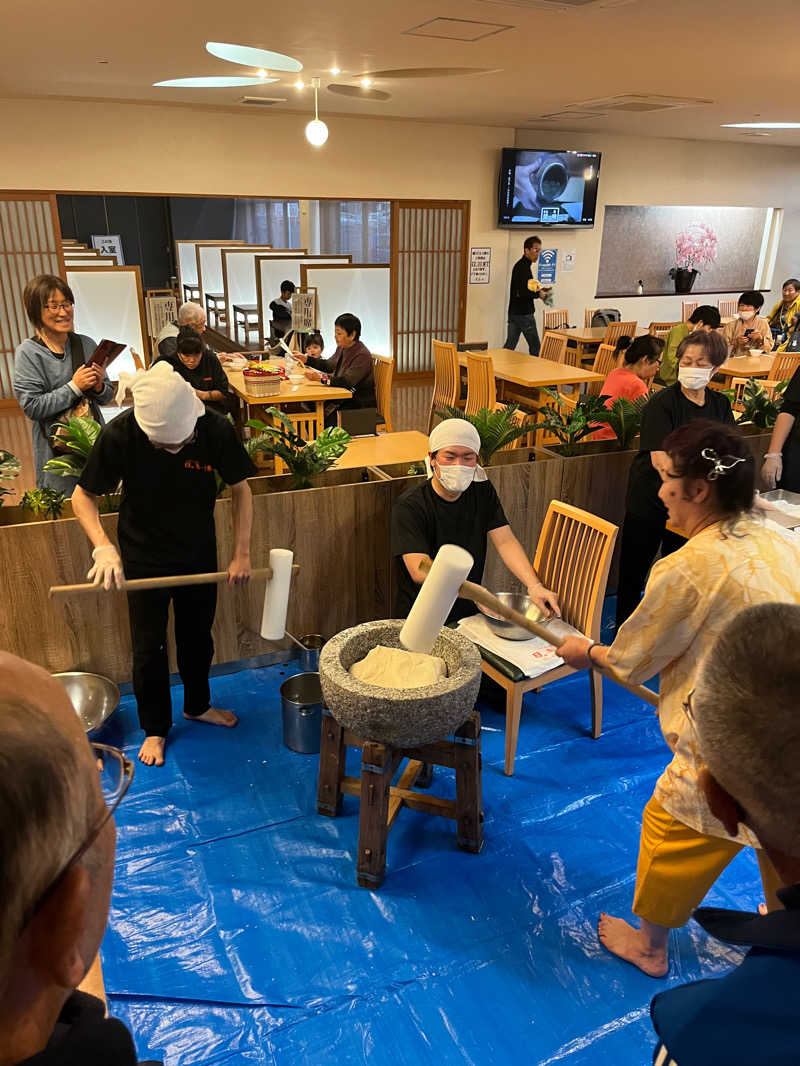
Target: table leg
[(320, 415)]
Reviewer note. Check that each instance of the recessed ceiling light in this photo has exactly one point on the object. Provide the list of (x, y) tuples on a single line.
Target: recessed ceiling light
[(211, 83), (299, 84), (366, 82), (761, 125), (253, 57), (335, 70), (262, 73)]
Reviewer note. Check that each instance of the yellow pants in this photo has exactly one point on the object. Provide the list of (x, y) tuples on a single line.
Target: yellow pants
[(677, 866)]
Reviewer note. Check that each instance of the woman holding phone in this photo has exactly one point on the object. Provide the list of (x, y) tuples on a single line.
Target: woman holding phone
[(51, 377)]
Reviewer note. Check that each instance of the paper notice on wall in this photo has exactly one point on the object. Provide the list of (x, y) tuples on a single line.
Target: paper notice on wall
[(568, 259), (480, 260), (304, 316)]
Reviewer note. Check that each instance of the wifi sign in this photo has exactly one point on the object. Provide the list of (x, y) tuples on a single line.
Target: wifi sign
[(548, 260)]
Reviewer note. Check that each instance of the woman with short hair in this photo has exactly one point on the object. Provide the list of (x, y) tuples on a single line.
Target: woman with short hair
[(51, 377), (632, 380), (197, 364), (730, 561), (749, 330), (784, 315)]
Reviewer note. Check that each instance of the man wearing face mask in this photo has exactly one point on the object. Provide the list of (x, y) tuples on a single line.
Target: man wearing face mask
[(456, 505), (644, 532), (166, 451), (748, 330)]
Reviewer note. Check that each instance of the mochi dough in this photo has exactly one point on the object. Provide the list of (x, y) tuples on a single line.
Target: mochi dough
[(399, 669)]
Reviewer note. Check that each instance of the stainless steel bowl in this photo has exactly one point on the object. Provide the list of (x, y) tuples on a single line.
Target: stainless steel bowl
[(93, 696), (509, 630)]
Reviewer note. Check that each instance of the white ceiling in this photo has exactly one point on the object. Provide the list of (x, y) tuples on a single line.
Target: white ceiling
[(727, 51)]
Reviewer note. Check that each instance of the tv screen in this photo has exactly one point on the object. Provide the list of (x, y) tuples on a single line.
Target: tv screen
[(547, 188)]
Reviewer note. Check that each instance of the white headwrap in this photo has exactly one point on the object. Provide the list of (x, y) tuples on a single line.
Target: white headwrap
[(165, 406), (456, 432)]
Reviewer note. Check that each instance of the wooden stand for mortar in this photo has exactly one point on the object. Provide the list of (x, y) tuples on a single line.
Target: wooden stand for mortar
[(381, 801)]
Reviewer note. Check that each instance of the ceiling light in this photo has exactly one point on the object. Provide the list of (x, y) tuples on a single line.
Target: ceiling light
[(335, 70), (254, 57), (299, 84), (262, 73), (211, 83), (316, 130), (761, 125), (366, 82)]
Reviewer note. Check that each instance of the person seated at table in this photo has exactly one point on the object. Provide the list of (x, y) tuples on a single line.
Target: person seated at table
[(644, 530), (350, 367), (189, 314), (748, 330), (456, 505), (732, 559), (632, 380), (281, 309), (197, 364), (784, 316), (315, 346), (745, 722), (703, 318)]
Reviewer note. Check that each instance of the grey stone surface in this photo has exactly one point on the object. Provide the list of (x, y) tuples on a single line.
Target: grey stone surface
[(400, 717)]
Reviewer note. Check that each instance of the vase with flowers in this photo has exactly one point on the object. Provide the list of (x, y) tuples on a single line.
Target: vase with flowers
[(694, 246)]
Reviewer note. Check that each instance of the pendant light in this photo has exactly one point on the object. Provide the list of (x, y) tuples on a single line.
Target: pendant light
[(316, 130)]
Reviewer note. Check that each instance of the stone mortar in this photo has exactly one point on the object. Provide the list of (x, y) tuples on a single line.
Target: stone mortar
[(405, 718)]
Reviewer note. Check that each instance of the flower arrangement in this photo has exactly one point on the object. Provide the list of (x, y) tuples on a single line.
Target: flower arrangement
[(694, 245)]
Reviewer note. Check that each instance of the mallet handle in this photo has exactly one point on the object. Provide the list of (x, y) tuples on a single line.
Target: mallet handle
[(141, 583)]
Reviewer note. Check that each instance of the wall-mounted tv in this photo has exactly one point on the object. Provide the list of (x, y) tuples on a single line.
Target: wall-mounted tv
[(547, 188)]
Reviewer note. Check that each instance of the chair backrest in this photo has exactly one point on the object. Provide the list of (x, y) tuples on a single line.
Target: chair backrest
[(783, 366), (481, 389), (446, 379), (588, 315), (615, 330), (573, 557), (602, 316), (661, 329), (555, 319), (382, 372), (727, 308), (688, 307), (554, 348), (605, 361)]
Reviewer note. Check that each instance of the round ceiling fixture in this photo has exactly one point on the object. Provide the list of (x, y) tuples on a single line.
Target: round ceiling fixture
[(254, 57), (316, 130), (211, 83), (357, 91)]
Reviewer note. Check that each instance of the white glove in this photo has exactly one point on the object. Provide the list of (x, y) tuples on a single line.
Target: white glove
[(772, 469), (107, 569)]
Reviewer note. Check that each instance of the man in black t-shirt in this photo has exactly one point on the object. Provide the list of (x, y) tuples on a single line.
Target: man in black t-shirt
[(644, 531), (521, 317), (166, 451), (457, 505), (197, 364)]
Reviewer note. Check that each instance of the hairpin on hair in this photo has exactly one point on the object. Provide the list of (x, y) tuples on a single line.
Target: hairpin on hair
[(722, 465)]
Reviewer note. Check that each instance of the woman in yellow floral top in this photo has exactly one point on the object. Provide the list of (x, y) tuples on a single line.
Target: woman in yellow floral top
[(731, 561)]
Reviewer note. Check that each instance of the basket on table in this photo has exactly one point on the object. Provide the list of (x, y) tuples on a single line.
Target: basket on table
[(262, 382)]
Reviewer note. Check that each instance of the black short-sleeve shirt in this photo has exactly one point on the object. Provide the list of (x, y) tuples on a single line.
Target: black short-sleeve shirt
[(422, 522), (667, 410), (166, 517)]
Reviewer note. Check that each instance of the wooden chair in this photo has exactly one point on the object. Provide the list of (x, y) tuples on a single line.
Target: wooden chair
[(605, 361), (661, 329), (554, 348), (383, 372), (783, 367), (587, 317), (615, 330), (727, 308), (573, 557), (446, 379), (306, 425), (555, 319), (688, 307), (481, 387)]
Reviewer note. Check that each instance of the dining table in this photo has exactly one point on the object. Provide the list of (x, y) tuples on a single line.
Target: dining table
[(587, 339), (531, 372), (309, 392), (747, 366), (406, 446)]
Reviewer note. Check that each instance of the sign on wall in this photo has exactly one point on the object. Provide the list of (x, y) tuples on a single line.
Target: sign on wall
[(304, 311), (109, 244), (547, 266), (480, 260), (568, 259)]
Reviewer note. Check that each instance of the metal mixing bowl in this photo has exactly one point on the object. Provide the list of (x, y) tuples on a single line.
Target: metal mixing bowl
[(93, 696), (509, 630)]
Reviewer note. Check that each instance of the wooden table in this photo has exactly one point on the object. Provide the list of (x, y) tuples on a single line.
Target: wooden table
[(747, 366), (587, 339), (241, 317), (531, 372), (307, 392), (411, 446)]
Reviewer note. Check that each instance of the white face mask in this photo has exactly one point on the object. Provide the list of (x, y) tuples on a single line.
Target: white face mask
[(456, 478), (746, 315), (695, 377)]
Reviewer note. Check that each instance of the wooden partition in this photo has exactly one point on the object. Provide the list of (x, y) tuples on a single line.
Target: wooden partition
[(271, 270), (239, 275), (209, 265), (360, 288), (109, 304), (186, 261)]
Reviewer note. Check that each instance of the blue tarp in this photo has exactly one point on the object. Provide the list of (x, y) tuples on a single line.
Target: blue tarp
[(237, 932)]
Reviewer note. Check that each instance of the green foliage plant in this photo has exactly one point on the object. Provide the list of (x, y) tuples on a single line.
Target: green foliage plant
[(9, 469), (497, 429), (758, 407), (44, 503), (625, 418), (572, 426), (304, 459)]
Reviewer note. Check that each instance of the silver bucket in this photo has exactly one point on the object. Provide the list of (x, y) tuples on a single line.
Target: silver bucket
[(313, 644), (301, 706)]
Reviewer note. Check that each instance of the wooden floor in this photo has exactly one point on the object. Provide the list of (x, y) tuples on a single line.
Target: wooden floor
[(410, 406)]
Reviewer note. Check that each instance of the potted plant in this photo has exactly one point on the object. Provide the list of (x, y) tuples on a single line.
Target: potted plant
[(9, 469), (43, 503), (570, 426), (758, 408), (697, 244), (497, 429), (79, 435), (625, 418), (303, 458)]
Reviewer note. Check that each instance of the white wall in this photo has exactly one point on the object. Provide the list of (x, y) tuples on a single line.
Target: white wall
[(652, 171)]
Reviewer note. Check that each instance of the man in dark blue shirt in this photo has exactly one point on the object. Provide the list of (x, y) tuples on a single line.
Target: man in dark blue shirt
[(521, 318), (745, 721)]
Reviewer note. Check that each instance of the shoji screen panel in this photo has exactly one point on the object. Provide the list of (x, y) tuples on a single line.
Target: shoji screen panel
[(30, 244), (429, 255), (363, 289), (109, 305)]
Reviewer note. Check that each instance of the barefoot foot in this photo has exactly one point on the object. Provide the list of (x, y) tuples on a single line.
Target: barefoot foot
[(151, 752), (214, 716), (631, 945)]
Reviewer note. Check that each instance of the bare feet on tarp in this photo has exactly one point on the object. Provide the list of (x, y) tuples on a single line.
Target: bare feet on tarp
[(763, 909), (151, 752), (631, 945), (214, 716)]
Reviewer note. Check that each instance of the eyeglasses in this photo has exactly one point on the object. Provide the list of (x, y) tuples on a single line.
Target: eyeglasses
[(67, 305), (116, 774)]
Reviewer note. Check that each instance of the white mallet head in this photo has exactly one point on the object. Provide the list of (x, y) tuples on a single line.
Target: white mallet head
[(276, 597), (435, 599)]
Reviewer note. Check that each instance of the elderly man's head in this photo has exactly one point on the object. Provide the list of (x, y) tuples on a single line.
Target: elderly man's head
[(744, 710), (192, 314), (51, 803)]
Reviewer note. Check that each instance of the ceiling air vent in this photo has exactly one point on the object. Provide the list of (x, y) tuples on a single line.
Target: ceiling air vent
[(573, 6), (448, 29), (261, 101), (639, 103)]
